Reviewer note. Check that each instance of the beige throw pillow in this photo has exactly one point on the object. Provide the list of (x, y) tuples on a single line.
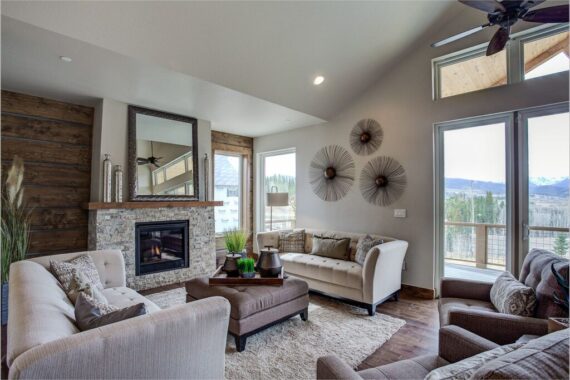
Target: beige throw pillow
[(510, 296), (329, 247), (62, 270), (463, 369), (292, 241), (80, 284)]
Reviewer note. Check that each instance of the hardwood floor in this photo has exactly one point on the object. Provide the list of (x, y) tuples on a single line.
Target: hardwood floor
[(419, 336)]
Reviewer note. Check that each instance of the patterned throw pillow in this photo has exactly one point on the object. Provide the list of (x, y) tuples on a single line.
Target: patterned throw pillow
[(102, 308), (463, 369), (363, 247), (62, 270), (80, 284), (509, 296), (292, 241)]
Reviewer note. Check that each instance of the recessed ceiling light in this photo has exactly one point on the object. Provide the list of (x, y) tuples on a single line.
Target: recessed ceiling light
[(318, 80), (65, 59)]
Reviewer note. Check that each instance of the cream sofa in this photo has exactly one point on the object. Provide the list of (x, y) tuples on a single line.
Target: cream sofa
[(365, 285), (186, 341)]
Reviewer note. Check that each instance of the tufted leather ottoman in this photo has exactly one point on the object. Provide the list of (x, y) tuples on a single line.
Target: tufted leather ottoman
[(254, 308)]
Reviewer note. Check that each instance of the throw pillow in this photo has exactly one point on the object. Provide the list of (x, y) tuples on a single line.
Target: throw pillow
[(329, 247), (292, 241), (509, 296), (463, 369), (79, 284), (84, 263), (364, 246), (88, 315)]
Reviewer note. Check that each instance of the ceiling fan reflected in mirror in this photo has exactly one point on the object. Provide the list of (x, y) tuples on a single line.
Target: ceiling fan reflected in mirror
[(152, 160), (505, 14)]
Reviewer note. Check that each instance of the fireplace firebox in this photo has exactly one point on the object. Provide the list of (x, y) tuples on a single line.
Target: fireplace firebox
[(161, 246)]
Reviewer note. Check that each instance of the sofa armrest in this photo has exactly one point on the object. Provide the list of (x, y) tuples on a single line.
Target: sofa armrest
[(185, 341), (456, 344), (497, 327), (382, 270), (467, 289), (270, 238), (331, 367)]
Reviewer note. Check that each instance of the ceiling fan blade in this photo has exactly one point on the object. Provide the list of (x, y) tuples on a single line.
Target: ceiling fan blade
[(498, 41), (459, 35), (142, 161), (527, 4), (489, 6), (558, 13)]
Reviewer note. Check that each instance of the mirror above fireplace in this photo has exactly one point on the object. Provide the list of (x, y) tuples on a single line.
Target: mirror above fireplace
[(163, 159)]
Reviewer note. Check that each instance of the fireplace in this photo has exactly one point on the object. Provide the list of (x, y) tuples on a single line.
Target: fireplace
[(161, 246)]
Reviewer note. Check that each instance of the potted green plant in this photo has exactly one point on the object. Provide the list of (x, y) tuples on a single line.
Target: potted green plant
[(246, 267), (235, 241), (14, 226)]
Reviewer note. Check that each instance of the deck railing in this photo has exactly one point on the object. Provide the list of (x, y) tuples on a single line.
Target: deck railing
[(485, 244)]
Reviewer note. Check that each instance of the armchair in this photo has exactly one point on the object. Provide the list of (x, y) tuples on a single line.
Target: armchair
[(467, 303)]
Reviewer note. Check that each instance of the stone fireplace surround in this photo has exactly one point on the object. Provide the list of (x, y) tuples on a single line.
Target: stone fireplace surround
[(112, 226)]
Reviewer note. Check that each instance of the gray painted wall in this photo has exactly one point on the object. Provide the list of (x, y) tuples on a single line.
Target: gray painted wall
[(401, 101)]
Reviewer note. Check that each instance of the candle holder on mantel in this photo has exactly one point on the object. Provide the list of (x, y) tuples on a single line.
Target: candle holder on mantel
[(118, 184), (107, 178)]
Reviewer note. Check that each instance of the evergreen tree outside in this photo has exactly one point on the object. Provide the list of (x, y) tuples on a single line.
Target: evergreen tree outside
[(561, 245)]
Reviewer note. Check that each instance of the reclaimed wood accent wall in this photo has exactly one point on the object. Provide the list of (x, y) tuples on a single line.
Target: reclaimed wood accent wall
[(54, 140), (227, 142)]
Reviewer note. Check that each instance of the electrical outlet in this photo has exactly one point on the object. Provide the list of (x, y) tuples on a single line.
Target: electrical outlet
[(399, 213)]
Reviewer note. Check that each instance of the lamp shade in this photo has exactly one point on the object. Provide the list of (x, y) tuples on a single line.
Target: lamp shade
[(277, 199)]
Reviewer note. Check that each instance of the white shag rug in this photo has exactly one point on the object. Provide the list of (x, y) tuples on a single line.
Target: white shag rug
[(290, 350)]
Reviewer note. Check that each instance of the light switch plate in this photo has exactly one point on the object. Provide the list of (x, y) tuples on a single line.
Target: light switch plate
[(399, 213)]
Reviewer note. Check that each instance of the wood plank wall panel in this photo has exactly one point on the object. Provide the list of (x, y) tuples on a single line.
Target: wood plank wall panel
[(228, 142), (54, 139)]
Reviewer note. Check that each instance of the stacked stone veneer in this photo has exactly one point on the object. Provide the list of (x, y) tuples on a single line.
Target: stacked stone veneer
[(115, 229)]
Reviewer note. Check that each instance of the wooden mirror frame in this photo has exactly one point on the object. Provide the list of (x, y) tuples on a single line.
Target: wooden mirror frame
[(133, 181)]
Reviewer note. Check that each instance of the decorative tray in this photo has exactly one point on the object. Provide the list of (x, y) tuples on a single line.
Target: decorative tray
[(219, 278)]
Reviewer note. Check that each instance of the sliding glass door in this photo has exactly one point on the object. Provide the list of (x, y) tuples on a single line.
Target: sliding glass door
[(501, 189), (474, 198), (545, 210)]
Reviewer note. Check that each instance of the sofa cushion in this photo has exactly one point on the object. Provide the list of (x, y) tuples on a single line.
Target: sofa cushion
[(330, 247), (542, 358), (334, 271), (122, 297), (446, 304), (463, 369), (537, 274), (509, 296), (40, 311), (291, 241), (364, 246)]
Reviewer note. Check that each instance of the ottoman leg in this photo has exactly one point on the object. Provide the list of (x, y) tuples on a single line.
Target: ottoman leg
[(304, 314), (240, 342)]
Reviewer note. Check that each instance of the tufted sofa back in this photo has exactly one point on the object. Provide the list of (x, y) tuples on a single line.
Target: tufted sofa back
[(536, 272)]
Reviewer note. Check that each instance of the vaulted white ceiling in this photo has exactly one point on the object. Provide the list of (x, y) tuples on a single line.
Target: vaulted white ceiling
[(267, 51)]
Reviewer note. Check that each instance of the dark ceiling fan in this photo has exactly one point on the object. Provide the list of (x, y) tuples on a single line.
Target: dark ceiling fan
[(505, 14), (152, 160)]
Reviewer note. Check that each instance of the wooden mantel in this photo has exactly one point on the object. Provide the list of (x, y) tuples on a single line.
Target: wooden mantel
[(148, 204)]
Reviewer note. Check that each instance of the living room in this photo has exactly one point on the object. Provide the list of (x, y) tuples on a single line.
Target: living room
[(246, 190)]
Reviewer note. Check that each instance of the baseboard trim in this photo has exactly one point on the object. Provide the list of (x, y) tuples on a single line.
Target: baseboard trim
[(414, 291)]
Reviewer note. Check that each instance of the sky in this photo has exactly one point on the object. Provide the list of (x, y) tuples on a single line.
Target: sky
[(283, 164), (479, 153)]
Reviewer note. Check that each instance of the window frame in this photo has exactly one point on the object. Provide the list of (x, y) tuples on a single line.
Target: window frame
[(260, 214), (243, 186), (514, 52)]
